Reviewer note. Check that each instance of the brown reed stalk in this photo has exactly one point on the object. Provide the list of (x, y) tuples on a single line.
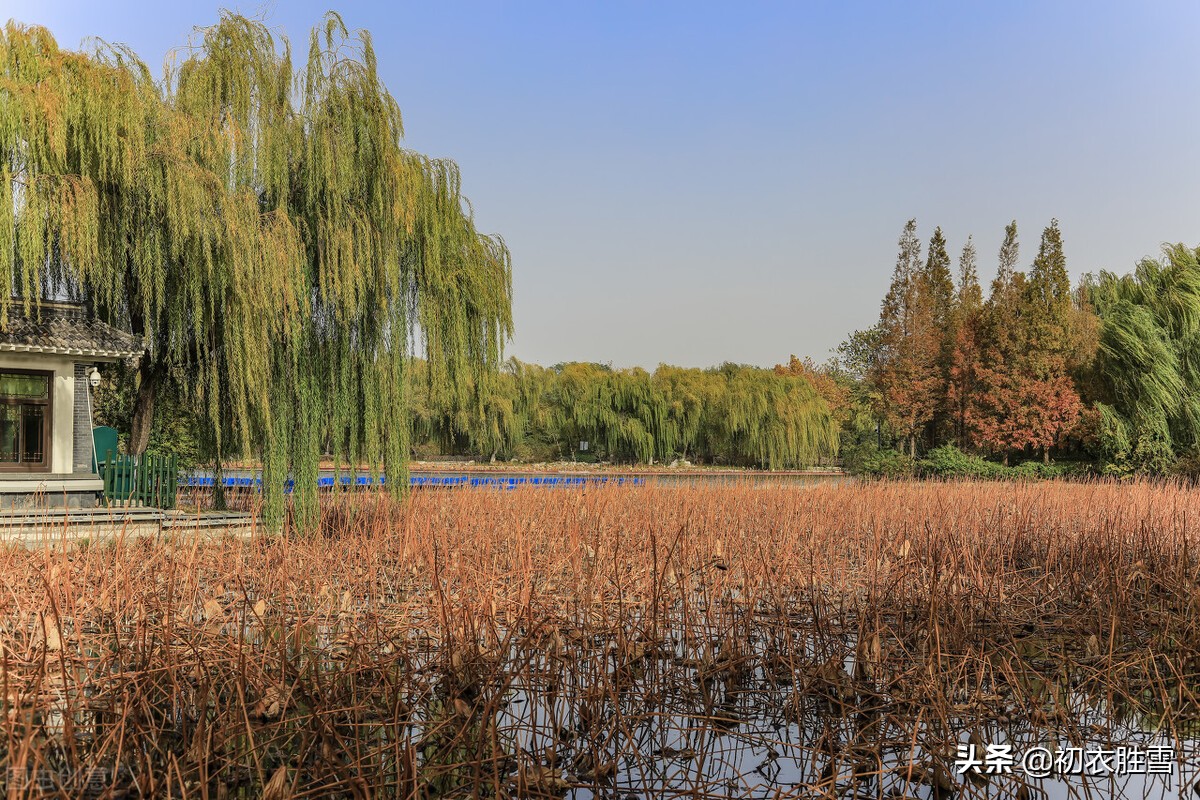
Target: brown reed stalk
[(641, 640)]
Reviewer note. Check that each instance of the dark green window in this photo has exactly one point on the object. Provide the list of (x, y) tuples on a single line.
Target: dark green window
[(25, 421)]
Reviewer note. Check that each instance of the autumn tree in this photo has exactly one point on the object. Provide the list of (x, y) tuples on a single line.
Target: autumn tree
[(936, 291), (906, 370), (835, 394), (965, 332), (1027, 396), (995, 416), (936, 281), (1053, 404)]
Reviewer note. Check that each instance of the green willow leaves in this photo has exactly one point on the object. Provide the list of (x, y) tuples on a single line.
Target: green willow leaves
[(1148, 371), (263, 229), (734, 415)]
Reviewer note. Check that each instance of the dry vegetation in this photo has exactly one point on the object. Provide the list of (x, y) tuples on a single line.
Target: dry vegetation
[(727, 642)]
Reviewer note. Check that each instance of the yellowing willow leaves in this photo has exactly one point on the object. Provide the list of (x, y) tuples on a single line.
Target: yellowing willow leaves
[(263, 229)]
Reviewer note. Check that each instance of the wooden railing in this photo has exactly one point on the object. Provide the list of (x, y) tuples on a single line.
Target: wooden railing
[(145, 480)]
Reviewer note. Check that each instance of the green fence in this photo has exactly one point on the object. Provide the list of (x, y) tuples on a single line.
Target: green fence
[(140, 481)]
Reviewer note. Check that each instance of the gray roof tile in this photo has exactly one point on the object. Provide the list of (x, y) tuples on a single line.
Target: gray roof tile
[(64, 329)]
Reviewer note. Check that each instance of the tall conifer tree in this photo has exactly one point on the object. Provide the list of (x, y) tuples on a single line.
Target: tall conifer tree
[(937, 281), (963, 383), (936, 292), (1049, 294), (994, 417), (906, 370), (1054, 404), (1027, 398)]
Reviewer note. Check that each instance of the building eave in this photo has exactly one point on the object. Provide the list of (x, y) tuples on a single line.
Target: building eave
[(72, 352), (66, 330)]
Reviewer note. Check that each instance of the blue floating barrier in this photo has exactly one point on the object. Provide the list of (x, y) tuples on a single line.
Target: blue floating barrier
[(509, 482)]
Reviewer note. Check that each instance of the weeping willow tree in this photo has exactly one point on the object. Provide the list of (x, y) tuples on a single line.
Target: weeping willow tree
[(262, 228), (730, 415), (487, 424), (688, 395), (616, 410), (1148, 367), (771, 421), (538, 420)]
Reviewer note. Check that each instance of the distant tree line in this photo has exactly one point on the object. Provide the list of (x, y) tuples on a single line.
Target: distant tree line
[(729, 415), (1106, 372)]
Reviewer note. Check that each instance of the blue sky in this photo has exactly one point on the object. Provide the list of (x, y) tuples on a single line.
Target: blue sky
[(694, 183)]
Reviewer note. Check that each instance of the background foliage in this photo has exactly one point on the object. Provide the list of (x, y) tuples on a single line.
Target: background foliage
[(1105, 373)]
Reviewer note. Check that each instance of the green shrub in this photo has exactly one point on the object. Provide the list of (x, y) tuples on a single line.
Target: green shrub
[(950, 462), (869, 461), (1035, 470), (1187, 466)]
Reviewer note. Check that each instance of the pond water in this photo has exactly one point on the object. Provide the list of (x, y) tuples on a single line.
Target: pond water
[(687, 730), (795, 708)]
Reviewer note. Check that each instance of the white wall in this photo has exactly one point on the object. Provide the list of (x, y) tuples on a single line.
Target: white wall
[(62, 421)]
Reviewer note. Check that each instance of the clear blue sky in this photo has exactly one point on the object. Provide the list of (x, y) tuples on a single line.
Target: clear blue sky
[(693, 183)]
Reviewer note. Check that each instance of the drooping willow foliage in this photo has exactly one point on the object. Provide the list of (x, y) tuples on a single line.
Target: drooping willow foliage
[(1148, 365), (732, 415), (264, 230)]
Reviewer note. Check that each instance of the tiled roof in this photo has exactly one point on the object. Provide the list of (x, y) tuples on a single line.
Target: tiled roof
[(64, 329)]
